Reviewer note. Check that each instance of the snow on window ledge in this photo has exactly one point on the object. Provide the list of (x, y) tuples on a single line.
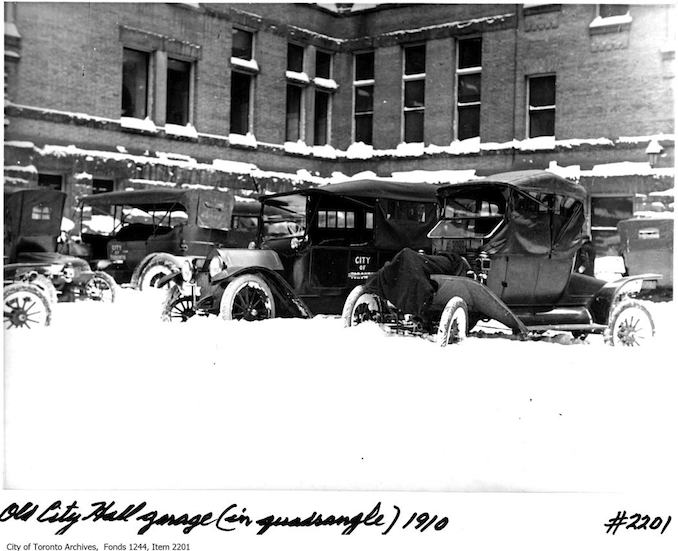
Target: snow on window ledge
[(187, 131), (327, 83), (297, 148), (142, 125), (298, 77), (359, 150), (249, 65), (247, 140), (611, 24)]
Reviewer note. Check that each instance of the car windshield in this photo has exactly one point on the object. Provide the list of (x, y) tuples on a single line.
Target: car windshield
[(285, 217), (111, 220), (471, 212)]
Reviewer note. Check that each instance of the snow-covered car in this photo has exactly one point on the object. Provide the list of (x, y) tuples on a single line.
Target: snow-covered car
[(503, 250), (314, 245), (140, 236), (31, 229)]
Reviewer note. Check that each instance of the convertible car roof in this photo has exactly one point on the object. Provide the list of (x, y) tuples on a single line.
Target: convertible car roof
[(382, 189), (540, 181), (141, 197)]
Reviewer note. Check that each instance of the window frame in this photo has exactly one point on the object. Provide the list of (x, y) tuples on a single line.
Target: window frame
[(253, 46), (150, 80), (359, 84), (541, 108), (406, 78), (459, 72), (250, 102), (301, 122), (191, 87)]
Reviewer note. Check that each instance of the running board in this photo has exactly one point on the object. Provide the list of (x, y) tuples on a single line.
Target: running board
[(588, 327)]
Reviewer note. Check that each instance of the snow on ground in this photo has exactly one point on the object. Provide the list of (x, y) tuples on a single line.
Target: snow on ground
[(110, 397)]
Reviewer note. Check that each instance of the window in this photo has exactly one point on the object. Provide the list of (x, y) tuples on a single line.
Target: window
[(606, 213), (363, 99), (243, 41), (50, 181), (101, 186), (134, 83), (41, 212), (178, 91), (295, 58), (241, 85), (323, 64), (321, 118), (414, 78), (612, 10), (541, 106), (293, 116), (336, 219), (469, 67)]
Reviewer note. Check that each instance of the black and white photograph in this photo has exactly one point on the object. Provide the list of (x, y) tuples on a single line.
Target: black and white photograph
[(320, 275)]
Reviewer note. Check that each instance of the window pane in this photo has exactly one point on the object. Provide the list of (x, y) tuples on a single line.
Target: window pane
[(134, 83), (469, 122), (470, 52), (293, 118), (543, 123), (610, 10), (323, 64), (468, 89), (321, 118), (242, 44), (178, 85), (363, 99), (295, 58), (332, 219), (608, 211), (51, 181), (350, 219), (101, 186), (415, 60), (322, 219), (364, 66), (414, 93), (240, 103), (363, 129), (414, 126), (542, 91), (369, 220)]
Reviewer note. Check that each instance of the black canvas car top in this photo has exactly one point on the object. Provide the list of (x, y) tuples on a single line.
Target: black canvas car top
[(540, 181)]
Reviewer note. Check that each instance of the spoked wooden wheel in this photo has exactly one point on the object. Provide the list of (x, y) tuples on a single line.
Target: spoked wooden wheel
[(180, 309), (362, 306), (630, 324), (101, 287), (247, 297), (454, 322), (25, 307)]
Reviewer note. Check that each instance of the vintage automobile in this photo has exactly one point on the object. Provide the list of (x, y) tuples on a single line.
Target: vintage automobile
[(503, 250), (314, 245), (31, 229), (139, 236), (647, 245)]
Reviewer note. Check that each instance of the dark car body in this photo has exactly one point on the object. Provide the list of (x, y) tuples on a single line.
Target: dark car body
[(315, 245), (647, 246), (32, 226), (510, 240), (171, 222)]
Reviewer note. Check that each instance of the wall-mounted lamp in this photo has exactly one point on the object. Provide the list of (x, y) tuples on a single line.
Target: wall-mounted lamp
[(654, 149)]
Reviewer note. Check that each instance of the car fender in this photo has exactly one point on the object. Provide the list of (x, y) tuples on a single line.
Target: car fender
[(479, 300), (236, 259), (609, 294), (288, 304), (136, 274)]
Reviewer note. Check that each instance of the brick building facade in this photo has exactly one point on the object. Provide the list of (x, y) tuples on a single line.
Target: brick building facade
[(270, 96)]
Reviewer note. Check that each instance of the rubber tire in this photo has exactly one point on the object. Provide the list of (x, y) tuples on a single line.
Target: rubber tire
[(167, 309), (108, 279), (13, 289), (453, 309), (349, 306), (617, 311), (235, 286), (160, 265), (45, 284)]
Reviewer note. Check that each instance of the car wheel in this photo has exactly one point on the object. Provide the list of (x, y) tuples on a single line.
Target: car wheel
[(629, 324), (454, 322), (157, 268), (46, 286), (180, 309), (101, 287), (248, 297), (25, 306), (361, 306)]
